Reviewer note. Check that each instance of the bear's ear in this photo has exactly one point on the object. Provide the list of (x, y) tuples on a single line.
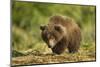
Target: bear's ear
[(42, 27), (58, 28)]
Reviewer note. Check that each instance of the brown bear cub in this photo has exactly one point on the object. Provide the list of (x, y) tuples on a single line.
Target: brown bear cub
[(61, 33)]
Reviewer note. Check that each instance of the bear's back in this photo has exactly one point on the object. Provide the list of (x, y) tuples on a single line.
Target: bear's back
[(66, 22)]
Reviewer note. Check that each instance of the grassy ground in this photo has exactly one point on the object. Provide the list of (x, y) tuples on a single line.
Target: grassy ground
[(86, 53)]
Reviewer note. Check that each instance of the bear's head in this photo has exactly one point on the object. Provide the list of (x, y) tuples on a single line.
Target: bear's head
[(52, 34)]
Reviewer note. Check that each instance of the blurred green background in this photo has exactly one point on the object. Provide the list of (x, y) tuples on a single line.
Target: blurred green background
[(28, 16)]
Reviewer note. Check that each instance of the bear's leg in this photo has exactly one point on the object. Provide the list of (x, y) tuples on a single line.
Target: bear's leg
[(72, 51), (59, 48), (73, 48)]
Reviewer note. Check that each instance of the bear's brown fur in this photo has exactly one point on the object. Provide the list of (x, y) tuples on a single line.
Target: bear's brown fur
[(61, 33)]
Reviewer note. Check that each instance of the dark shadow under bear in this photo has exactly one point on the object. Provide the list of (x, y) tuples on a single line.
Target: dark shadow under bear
[(61, 33)]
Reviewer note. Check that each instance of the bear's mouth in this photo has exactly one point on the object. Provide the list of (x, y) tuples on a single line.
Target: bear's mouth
[(49, 46), (51, 43)]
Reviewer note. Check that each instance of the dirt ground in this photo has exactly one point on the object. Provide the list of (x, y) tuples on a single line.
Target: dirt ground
[(38, 58)]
